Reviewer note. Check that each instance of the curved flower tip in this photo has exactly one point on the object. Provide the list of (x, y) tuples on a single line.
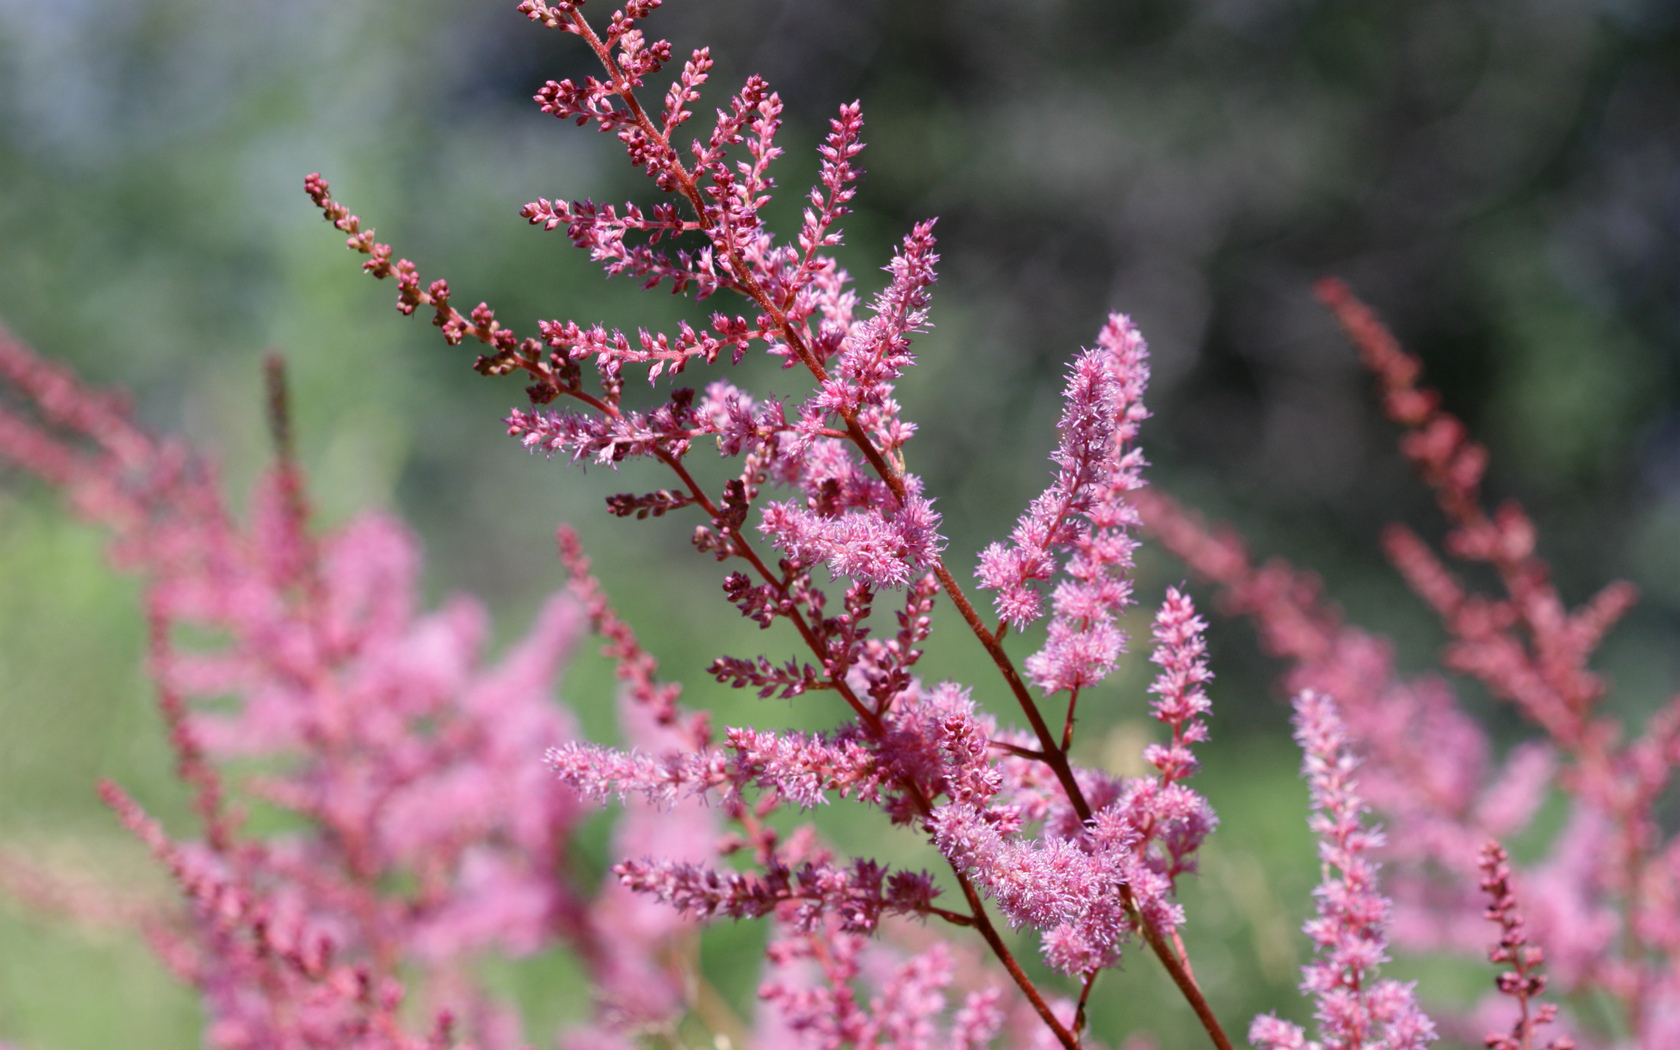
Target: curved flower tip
[(1084, 513)]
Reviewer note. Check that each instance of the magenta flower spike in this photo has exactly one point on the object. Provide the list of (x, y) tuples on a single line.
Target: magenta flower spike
[(1355, 1010), (1084, 513)]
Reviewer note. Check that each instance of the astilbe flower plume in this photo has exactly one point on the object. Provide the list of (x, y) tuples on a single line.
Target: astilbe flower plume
[(440, 798), (1085, 513), (1354, 1009), (812, 980), (432, 834), (1078, 854), (1602, 902)]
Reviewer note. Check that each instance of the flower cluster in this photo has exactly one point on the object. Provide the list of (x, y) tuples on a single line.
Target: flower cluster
[(438, 799), (433, 833), (1084, 512), (1601, 899), (1086, 858), (1353, 1009)]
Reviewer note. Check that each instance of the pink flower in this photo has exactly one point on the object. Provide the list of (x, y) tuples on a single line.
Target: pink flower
[(1354, 1009), (1084, 513)]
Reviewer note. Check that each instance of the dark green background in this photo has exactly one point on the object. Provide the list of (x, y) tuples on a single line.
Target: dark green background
[(1498, 178)]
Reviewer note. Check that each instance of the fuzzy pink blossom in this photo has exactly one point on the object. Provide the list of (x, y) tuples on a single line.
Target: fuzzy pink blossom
[(270, 974), (799, 768), (1083, 513), (877, 351), (433, 832), (1592, 903), (1180, 700), (1354, 1009), (429, 832), (819, 984), (876, 548), (1071, 889)]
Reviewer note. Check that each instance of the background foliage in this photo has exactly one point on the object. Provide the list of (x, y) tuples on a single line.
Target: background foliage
[(1500, 177)]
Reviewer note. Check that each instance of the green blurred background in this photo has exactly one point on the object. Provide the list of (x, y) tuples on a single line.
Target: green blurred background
[(1500, 178)]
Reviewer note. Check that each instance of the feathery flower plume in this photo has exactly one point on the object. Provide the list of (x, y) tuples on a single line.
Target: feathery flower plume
[(1355, 1010), (852, 509), (1598, 906), (1084, 513), (814, 978), (432, 831), (268, 971), (1180, 701)]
